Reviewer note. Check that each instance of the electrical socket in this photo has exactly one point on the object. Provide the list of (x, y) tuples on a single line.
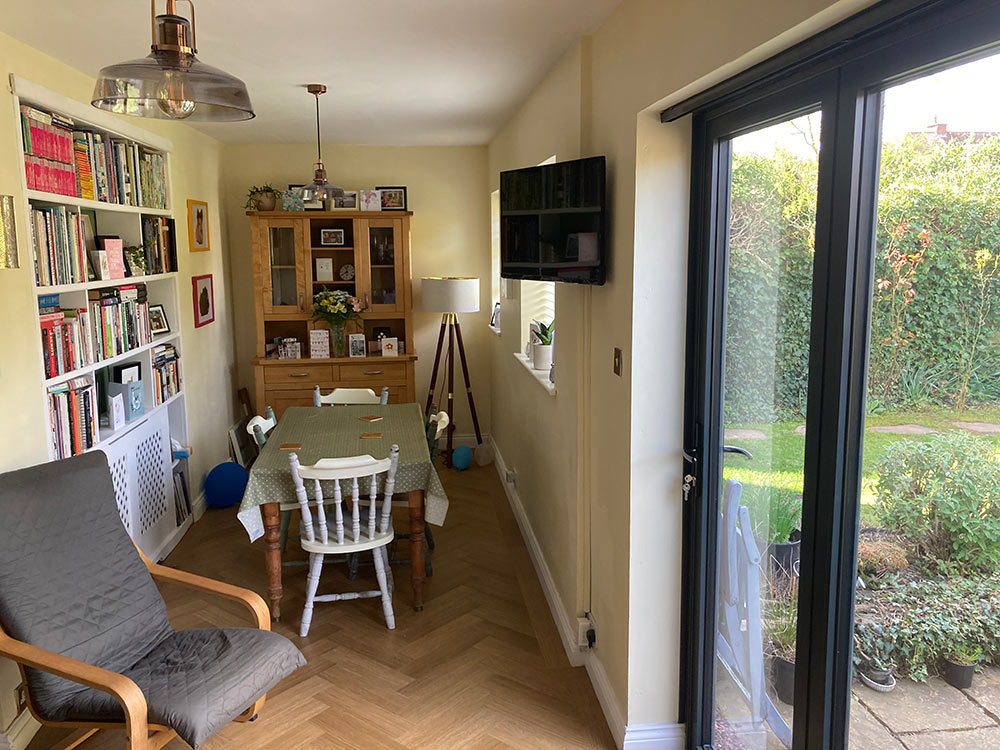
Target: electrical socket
[(511, 476), (584, 626)]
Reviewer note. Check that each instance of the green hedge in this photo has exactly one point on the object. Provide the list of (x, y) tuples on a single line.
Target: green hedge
[(937, 210)]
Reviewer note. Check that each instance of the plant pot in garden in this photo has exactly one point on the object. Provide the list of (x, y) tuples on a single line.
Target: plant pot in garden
[(958, 675), (541, 356), (885, 684), (784, 558), (783, 673)]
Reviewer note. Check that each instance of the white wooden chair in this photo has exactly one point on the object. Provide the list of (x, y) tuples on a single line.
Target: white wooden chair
[(259, 426), (317, 538), (350, 396), (436, 425), (740, 640)]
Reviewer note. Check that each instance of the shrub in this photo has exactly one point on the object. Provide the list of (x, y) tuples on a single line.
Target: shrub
[(916, 625), (878, 557), (943, 496)]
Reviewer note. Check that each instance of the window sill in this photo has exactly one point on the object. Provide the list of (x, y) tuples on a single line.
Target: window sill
[(496, 331), (541, 377)]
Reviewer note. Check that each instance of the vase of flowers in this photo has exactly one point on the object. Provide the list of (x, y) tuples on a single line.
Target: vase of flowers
[(336, 307)]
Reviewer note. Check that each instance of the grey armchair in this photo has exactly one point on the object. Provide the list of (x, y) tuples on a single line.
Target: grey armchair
[(81, 614)]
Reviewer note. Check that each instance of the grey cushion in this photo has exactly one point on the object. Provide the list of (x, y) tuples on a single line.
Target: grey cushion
[(72, 582), (197, 681)]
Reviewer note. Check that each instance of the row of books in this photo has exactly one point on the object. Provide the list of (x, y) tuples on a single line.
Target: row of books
[(182, 502), (73, 417), (60, 245), (159, 243), (115, 321), (166, 373), (85, 164)]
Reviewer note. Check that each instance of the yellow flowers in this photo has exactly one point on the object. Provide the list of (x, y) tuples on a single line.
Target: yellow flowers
[(336, 307)]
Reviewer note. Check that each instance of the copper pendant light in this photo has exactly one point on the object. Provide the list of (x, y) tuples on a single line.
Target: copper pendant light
[(170, 82), (319, 189)]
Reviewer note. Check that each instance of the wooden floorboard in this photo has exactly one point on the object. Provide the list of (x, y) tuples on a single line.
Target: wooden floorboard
[(481, 668)]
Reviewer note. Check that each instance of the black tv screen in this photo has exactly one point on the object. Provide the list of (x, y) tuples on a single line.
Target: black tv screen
[(552, 222)]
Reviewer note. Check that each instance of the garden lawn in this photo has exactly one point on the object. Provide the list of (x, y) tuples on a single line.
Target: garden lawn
[(778, 461)]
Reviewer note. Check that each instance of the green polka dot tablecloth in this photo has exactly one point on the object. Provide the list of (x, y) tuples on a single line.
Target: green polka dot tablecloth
[(335, 432)]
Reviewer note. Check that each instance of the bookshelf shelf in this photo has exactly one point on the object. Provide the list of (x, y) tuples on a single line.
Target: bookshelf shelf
[(62, 141), (125, 356), (69, 200), (106, 284)]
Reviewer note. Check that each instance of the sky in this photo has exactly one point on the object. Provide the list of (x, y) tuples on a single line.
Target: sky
[(961, 96)]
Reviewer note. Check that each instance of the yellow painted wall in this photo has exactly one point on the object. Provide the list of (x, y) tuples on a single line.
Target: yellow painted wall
[(449, 236), (645, 54)]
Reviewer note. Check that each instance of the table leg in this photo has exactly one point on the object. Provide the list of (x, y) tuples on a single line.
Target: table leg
[(415, 501), (272, 555)]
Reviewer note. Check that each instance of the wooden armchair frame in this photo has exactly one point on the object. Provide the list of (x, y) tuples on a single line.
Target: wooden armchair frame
[(140, 733)]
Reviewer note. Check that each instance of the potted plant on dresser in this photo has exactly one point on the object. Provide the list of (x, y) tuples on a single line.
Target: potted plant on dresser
[(262, 198), (541, 350)]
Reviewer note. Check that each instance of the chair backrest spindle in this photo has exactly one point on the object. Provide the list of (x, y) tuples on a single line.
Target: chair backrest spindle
[(338, 498), (355, 511), (300, 495), (390, 484)]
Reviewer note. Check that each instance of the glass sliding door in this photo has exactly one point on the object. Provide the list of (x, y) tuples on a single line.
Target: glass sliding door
[(768, 294), (928, 543)]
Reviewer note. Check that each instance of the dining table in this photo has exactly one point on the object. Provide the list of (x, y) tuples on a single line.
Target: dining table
[(337, 432)]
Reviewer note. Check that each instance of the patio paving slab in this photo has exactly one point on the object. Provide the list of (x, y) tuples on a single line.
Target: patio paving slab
[(903, 429), (917, 707), (742, 433), (866, 733), (800, 430), (983, 428), (985, 690), (970, 739)]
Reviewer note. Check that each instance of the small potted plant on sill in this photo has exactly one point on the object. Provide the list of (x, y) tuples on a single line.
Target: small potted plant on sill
[(541, 350), (262, 198), (960, 665)]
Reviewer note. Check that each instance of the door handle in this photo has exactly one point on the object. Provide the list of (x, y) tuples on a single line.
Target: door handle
[(737, 449), (298, 374), (372, 372)]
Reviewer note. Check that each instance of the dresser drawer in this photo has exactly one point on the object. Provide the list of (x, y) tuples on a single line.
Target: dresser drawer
[(297, 376), (281, 399), (383, 373)]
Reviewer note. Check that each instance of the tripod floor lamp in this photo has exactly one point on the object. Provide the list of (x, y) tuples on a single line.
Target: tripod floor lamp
[(451, 295)]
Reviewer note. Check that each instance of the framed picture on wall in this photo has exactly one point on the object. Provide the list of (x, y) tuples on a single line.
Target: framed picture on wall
[(198, 236), (204, 300)]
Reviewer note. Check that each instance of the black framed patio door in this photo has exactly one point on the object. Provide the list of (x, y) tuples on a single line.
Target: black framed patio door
[(784, 201)]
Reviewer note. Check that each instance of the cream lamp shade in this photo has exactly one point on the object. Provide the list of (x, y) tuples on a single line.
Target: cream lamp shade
[(450, 294)]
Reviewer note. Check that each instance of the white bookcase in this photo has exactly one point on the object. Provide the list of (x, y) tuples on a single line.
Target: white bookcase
[(139, 452)]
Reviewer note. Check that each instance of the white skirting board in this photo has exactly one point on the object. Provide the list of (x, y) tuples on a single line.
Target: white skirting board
[(20, 732), (567, 632), (654, 737)]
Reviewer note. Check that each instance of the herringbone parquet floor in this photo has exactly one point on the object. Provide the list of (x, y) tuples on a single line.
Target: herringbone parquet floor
[(480, 668)]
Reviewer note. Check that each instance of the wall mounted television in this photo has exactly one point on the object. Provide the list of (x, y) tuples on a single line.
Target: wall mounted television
[(553, 222)]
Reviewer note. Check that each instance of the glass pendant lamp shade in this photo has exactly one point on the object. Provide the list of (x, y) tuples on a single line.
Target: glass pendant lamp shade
[(319, 189), (171, 82)]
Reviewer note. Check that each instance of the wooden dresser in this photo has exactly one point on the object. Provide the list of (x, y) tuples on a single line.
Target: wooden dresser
[(370, 257)]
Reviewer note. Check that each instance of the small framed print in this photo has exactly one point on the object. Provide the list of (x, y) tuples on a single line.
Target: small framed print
[(347, 202), (324, 269), (158, 320), (204, 300), (198, 237), (392, 198), (390, 346), (331, 237), (371, 200), (127, 373), (358, 347)]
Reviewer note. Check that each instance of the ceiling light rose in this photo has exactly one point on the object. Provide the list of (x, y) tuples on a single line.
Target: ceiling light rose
[(319, 189), (170, 82)]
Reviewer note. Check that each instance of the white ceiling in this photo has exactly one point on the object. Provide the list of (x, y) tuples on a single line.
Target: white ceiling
[(400, 72)]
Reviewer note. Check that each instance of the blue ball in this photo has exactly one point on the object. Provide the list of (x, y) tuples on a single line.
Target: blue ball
[(225, 484), (461, 457)]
